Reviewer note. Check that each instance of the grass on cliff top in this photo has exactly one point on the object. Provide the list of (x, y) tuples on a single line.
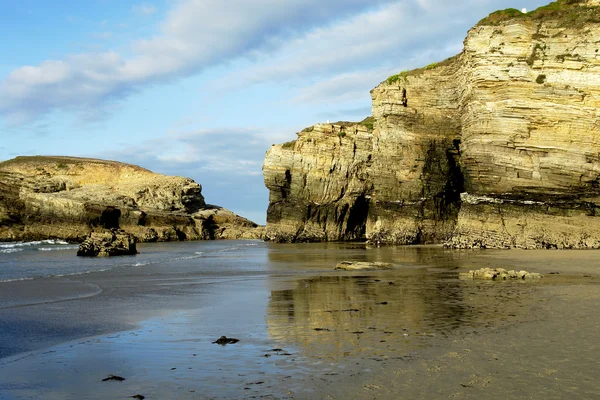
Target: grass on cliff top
[(405, 74), (570, 13), (368, 122), (31, 160), (60, 162), (290, 144)]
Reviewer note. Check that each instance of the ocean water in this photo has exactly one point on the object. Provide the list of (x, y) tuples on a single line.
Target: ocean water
[(305, 330), (48, 258)]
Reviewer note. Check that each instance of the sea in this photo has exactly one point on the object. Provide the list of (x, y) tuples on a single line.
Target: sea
[(57, 258), (305, 330)]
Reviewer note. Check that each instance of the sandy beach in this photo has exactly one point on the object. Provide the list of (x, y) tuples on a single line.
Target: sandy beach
[(417, 331)]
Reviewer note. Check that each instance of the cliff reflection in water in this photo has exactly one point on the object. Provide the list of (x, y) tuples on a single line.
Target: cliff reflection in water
[(384, 313)]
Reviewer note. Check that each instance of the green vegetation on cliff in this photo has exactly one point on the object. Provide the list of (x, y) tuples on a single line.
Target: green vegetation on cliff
[(571, 13), (290, 144), (368, 122), (405, 74)]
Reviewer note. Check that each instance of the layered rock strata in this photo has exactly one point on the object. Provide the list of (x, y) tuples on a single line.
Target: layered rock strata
[(68, 198), (512, 123)]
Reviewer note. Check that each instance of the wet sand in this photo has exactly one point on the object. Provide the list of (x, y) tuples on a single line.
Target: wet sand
[(306, 331)]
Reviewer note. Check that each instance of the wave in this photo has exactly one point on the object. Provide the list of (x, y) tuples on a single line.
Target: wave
[(100, 265), (234, 248), (197, 254), (17, 279), (13, 245), (74, 247), (10, 250)]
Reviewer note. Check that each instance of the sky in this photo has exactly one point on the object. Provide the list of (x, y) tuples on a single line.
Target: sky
[(203, 88)]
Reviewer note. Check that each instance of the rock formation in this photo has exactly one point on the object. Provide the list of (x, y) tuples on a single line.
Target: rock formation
[(68, 198), (500, 274), (361, 266), (112, 242), (496, 147)]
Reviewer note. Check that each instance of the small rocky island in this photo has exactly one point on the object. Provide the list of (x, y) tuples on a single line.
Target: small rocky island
[(68, 198), (497, 147)]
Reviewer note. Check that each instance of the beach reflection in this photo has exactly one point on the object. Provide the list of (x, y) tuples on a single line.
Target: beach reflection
[(385, 313)]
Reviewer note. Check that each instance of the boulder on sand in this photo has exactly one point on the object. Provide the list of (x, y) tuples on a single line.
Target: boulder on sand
[(361, 266), (500, 274), (113, 242)]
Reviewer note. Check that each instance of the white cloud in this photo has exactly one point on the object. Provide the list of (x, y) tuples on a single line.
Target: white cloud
[(102, 35), (342, 87), (143, 9), (291, 40), (209, 150), (227, 163), (195, 34), (389, 38)]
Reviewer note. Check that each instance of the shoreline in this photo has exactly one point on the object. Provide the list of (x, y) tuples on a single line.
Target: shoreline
[(401, 331)]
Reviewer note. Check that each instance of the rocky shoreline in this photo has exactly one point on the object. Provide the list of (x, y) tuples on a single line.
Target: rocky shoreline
[(68, 198), (494, 148)]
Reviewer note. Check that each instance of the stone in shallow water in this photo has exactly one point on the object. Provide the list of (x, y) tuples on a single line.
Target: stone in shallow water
[(112, 377), (114, 242), (500, 274), (224, 340), (361, 265)]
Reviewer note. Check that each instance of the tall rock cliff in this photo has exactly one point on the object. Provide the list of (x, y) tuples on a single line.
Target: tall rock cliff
[(68, 197), (496, 147)]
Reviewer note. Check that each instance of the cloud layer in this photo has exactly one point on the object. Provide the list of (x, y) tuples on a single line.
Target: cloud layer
[(230, 173), (284, 40), (195, 34)]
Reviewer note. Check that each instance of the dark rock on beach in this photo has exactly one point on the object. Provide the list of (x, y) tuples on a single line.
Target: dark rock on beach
[(112, 377), (224, 340), (113, 242)]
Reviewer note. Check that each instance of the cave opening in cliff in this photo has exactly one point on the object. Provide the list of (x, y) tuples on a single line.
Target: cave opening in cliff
[(285, 188), (110, 218), (209, 227), (356, 227)]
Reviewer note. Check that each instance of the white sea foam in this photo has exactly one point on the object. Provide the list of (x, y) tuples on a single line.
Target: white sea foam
[(141, 264), (15, 280), (12, 245), (57, 248), (10, 250)]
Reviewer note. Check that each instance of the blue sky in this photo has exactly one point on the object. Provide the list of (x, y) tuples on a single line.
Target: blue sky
[(202, 88)]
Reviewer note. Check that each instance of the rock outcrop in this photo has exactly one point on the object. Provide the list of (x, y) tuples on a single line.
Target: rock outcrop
[(500, 274), (113, 242), (361, 266), (496, 147), (68, 198)]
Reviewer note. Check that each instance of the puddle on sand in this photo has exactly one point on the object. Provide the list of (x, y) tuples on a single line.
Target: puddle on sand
[(389, 314)]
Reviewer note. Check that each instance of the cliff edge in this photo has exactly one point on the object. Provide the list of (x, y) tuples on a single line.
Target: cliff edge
[(68, 197), (496, 147)]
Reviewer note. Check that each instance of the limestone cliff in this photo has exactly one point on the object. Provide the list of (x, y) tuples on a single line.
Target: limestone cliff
[(496, 147), (68, 197)]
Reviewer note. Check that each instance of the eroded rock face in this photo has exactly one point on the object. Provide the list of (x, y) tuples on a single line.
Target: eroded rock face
[(319, 185), (113, 242), (496, 147), (68, 198)]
